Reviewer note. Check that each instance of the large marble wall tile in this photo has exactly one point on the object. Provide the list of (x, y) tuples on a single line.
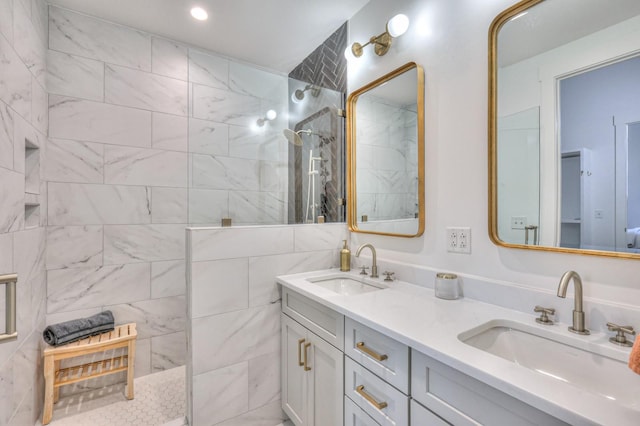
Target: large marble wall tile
[(263, 290), (12, 196), (6, 391), (168, 205), (274, 176), (168, 351), (225, 106), (6, 20), (40, 19), (208, 69), (169, 59), (93, 38), (267, 415), (267, 208), (39, 107), (320, 237), (264, 380), (29, 264), (139, 89), (219, 286), (87, 204), (169, 132), (6, 255), (29, 46), (25, 375), (143, 243), (74, 246), (168, 279), (253, 81), (78, 119), (15, 81), (142, 365), (82, 288), (70, 75), (208, 205), (6, 136), (266, 145), (153, 318), (221, 340), (216, 172), (208, 137), (143, 166), (220, 395), (230, 243), (74, 161)]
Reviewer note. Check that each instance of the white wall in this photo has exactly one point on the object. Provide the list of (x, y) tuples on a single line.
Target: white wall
[(449, 38)]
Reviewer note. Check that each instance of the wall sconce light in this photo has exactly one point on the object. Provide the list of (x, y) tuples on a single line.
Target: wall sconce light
[(270, 115), (396, 26), (298, 95)]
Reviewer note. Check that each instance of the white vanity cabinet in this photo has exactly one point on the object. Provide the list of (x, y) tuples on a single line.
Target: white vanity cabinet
[(312, 369)]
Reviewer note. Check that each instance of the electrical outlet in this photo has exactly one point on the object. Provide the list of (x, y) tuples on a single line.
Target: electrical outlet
[(459, 240), (452, 239), (518, 222)]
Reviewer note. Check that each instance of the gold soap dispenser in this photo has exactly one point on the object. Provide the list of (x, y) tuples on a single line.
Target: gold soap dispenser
[(345, 257)]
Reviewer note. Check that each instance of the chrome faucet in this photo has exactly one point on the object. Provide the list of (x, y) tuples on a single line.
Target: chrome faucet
[(578, 313), (374, 266)]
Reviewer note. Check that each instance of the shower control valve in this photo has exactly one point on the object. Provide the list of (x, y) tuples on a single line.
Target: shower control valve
[(364, 270)]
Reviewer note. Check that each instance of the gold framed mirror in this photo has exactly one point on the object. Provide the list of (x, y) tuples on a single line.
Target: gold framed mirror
[(385, 155), (564, 127)]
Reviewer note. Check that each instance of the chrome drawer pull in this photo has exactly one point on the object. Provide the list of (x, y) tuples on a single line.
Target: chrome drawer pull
[(300, 342), (370, 399), (373, 354), (306, 346)]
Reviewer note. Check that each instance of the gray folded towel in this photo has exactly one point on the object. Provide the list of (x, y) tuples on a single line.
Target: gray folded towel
[(70, 331)]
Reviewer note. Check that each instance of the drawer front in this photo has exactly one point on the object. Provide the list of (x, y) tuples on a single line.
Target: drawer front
[(384, 403), (463, 400), (321, 320), (368, 346), (420, 416), (355, 416)]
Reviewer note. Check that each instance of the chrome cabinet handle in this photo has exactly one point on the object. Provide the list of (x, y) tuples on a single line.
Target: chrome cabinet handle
[(371, 400), (300, 342), (373, 354), (306, 367)]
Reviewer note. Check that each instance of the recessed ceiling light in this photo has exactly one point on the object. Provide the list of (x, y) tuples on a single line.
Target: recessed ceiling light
[(199, 13)]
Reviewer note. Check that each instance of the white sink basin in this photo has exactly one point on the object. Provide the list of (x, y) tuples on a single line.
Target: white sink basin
[(345, 285), (604, 373)]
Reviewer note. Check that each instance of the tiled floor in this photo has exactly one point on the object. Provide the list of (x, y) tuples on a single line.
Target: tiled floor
[(159, 400)]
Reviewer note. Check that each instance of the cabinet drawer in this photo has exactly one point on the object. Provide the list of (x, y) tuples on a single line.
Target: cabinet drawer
[(367, 390), (420, 416), (364, 345), (355, 416), (463, 400), (321, 320)]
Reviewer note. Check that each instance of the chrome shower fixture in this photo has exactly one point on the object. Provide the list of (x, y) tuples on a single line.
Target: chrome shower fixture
[(298, 95), (270, 115), (294, 137)]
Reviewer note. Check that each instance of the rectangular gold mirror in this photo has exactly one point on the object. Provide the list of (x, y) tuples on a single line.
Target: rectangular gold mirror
[(564, 127), (385, 154)]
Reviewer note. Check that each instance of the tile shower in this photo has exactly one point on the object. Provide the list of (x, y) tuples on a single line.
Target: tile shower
[(138, 138)]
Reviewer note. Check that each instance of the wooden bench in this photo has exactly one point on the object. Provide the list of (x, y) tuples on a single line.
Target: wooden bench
[(124, 336)]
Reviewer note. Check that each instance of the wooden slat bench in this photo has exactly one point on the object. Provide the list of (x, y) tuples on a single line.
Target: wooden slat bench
[(124, 336)]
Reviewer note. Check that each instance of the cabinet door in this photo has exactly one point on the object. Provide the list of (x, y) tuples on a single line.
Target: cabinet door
[(294, 377), (355, 416), (326, 395)]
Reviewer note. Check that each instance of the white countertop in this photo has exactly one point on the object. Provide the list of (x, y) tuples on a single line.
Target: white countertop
[(414, 316)]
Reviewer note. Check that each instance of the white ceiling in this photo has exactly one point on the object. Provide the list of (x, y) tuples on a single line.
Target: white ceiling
[(275, 34)]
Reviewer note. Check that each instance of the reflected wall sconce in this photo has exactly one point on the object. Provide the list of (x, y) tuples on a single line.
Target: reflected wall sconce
[(396, 26), (298, 95), (270, 115)]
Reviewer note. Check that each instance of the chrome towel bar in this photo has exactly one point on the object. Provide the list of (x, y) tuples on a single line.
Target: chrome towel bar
[(10, 280)]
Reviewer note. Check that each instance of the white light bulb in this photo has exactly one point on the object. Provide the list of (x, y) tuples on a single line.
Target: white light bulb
[(348, 53), (398, 25), (199, 13), (271, 114)]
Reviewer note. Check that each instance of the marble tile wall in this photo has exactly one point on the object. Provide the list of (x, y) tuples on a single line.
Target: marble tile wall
[(233, 320), (23, 123), (147, 136)]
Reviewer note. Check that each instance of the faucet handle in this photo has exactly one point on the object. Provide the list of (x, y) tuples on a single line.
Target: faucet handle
[(620, 338), (544, 312), (364, 270), (389, 276)]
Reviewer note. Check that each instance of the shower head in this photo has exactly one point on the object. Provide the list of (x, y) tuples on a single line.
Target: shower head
[(294, 137)]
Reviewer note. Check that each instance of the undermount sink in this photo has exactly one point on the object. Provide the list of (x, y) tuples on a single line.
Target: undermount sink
[(345, 285), (538, 351)]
